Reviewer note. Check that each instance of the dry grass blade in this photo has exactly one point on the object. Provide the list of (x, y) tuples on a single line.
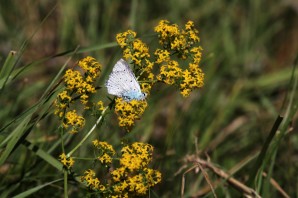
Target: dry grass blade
[(205, 175), (247, 191), (277, 186)]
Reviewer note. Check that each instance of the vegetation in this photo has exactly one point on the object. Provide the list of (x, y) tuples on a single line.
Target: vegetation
[(231, 132)]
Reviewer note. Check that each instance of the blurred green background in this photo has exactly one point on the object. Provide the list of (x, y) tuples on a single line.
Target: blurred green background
[(249, 52)]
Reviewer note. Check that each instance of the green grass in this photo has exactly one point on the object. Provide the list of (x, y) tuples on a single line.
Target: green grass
[(251, 78)]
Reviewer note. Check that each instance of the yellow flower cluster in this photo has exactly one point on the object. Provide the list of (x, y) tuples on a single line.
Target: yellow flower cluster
[(132, 178), (170, 72), (123, 39), (92, 181), (133, 48), (128, 112), (67, 162), (73, 120), (137, 52), (192, 78), (183, 43), (162, 56), (80, 86), (106, 151), (62, 103), (99, 106), (180, 41), (136, 156)]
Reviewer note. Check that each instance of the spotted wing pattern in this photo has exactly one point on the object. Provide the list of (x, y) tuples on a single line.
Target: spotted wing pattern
[(123, 83)]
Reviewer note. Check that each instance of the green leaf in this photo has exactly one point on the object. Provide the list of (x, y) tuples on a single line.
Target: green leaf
[(7, 69), (42, 154), (35, 189), (14, 138)]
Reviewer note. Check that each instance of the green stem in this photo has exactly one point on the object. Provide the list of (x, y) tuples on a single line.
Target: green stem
[(89, 133), (65, 184)]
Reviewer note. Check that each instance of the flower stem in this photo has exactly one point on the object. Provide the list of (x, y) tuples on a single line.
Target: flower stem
[(89, 133), (65, 184)]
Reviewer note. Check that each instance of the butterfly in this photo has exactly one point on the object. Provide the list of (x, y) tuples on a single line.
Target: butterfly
[(123, 83)]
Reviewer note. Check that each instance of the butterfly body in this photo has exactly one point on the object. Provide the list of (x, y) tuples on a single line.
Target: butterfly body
[(123, 83)]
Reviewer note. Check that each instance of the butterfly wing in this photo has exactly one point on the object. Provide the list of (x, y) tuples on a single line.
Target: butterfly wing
[(122, 80)]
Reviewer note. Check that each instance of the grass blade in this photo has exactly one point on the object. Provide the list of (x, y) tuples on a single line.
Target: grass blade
[(16, 136), (35, 189), (7, 69)]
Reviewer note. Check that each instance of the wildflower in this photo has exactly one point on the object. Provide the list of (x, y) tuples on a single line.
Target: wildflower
[(120, 187), (179, 41), (67, 162), (92, 181), (137, 184), (124, 38), (100, 106), (153, 177), (166, 32), (192, 78), (170, 72), (136, 156), (105, 159), (63, 96), (191, 32), (131, 178), (106, 151), (196, 54), (128, 112), (74, 120), (184, 43), (78, 85), (137, 52), (62, 102), (91, 67), (162, 56), (119, 174)]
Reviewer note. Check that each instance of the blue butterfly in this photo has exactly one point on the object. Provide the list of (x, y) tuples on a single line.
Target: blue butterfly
[(123, 83)]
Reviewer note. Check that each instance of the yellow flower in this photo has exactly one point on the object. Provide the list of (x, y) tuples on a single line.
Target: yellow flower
[(166, 31), (74, 120), (92, 181), (76, 83), (178, 41), (136, 184), (153, 177), (120, 187), (192, 78), (146, 87), (67, 162), (119, 173), (189, 25), (128, 112), (77, 86), (105, 159), (84, 98), (184, 44), (106, 151), (103, 146), (63, 96), (137, 53), (124, 38), (196, 54), (162, 56), (100, 106), (170, 73), (136, 156), (131, 178), (92, 68)]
